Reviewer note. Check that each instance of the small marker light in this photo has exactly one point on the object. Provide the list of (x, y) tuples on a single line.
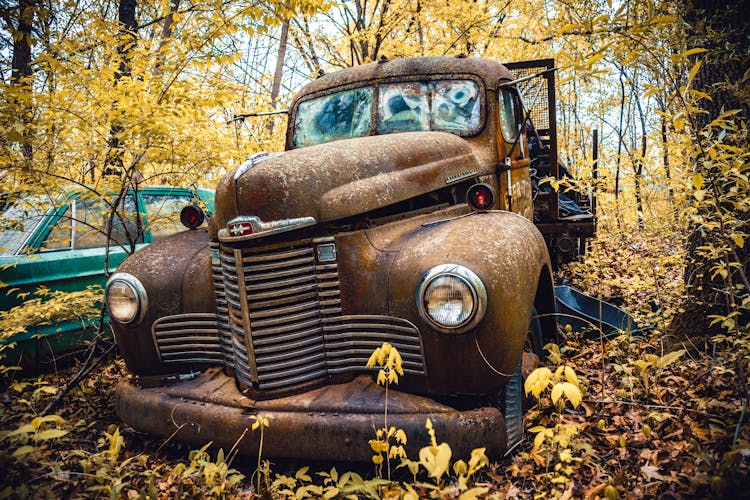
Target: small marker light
[(192, 216), (481, 196)]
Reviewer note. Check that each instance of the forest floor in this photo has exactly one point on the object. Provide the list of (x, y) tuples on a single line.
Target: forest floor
[(659, 418)]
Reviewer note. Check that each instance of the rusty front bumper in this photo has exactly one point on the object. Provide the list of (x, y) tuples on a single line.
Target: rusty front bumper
[(330, 423)]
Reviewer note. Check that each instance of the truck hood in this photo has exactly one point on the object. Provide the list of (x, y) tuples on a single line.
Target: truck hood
[(347, 177)]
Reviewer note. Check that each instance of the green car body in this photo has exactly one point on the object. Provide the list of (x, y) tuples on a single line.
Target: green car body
[(61, 245)]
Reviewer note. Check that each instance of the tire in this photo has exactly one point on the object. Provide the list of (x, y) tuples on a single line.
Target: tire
[(515, 401)]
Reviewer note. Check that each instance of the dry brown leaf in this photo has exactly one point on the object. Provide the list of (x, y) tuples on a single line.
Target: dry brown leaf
[(651, 472), (594, 492), (540, 460), (698, 431)]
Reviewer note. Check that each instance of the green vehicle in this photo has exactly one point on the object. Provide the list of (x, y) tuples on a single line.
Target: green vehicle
[(59, 244)]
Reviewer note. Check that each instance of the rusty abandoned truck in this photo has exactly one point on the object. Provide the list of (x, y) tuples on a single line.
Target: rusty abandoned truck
[(405, 209)]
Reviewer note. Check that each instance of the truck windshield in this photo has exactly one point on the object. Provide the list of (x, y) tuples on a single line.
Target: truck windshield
[(336, 116), (446, 105)]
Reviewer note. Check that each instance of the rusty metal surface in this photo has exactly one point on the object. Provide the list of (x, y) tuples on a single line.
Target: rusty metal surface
[(330, 423), (347, 177), (361, 266), (391, 207), (508, 254), (176, 273)]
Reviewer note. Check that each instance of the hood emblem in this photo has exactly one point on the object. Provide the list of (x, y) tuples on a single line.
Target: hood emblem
[(242, 226), (250, 226)]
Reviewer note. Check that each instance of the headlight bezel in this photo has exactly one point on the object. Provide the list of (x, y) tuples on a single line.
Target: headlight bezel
[(140, 296), (474, 284)]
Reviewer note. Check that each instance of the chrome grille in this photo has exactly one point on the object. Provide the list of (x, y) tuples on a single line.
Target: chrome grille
[(188, 338), (289, 295), (235, 319), (222, 310), (287, 330), (350, 340), (284, 312)]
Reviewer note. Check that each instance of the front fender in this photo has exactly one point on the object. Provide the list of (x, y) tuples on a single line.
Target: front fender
[(508, 253), (176, 274)]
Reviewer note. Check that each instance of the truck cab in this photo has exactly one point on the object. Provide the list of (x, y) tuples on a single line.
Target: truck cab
[(401, 211)]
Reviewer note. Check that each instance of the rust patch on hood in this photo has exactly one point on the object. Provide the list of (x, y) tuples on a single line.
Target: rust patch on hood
[(347, 177)]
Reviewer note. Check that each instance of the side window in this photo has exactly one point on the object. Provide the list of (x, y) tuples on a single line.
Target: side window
[(90, 225), (18, 221), (403, 107), (509, 122), (163, 213), (84, 225), (60, 236)]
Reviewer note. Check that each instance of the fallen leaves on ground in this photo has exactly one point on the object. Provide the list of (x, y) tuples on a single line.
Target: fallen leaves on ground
[(652, 424)]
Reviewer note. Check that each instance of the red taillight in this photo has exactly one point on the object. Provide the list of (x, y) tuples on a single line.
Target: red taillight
[(192, 216), (481, 196)]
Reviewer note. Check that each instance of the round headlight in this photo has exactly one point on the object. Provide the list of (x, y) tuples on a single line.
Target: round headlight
[(452, 298), (126, 298)]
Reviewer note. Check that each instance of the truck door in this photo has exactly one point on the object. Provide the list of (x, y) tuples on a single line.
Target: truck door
[(513, 157)]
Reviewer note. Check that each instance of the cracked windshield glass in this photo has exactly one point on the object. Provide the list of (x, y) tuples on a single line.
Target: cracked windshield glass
[(447, 105), (336, 116)]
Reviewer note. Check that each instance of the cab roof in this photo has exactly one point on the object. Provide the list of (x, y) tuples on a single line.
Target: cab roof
[(488, 70)]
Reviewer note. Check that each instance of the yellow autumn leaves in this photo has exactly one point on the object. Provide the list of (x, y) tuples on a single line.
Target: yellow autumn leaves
[(563, 382), (390, 360)]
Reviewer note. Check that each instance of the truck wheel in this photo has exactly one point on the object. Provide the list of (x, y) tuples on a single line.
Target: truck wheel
[(514, 403)]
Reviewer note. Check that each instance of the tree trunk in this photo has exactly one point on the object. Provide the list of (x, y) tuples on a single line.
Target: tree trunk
[(166, 34), (723, 30), (279, 72), (127, 34), (620, 139), (665, 154), (638, 170), (21, 74)]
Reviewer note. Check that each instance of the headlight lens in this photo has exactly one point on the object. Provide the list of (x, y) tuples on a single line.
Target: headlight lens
[(448, 301), (452, 298), (126, 298)]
